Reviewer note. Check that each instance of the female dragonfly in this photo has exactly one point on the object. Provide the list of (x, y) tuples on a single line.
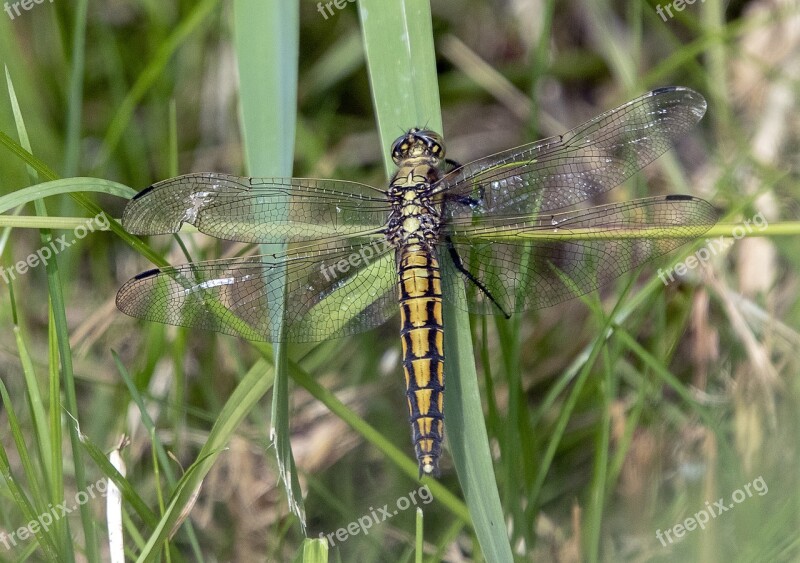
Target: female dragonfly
[(515, 226)]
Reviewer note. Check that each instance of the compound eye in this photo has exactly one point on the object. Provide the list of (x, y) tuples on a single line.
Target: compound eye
[(433, 141), (399, 149)]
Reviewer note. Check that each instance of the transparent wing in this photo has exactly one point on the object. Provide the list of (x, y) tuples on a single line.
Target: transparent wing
[(332, 291), (530, 264), (561, 171), (258, 210)]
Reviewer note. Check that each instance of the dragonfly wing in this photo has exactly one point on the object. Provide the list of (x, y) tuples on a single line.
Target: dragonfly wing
[(335, 291), (535, 264), (258, 210), (561, 171)]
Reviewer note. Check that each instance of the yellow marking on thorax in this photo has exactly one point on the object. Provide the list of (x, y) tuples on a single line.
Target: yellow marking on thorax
[(411, 224)]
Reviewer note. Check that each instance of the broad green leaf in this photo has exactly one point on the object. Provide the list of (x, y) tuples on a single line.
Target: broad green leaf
[(398, 40)]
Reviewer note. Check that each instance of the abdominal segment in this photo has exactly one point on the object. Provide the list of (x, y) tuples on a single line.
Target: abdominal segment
[(421, 333)]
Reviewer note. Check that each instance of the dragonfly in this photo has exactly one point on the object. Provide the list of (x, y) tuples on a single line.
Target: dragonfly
[(521, 229)]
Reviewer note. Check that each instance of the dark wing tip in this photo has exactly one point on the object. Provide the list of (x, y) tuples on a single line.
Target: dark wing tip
[(149, 213), (123, 298), (144, 192), (127, 296), (709, 212), (665, 89), (690, 97), (670, 89), (147, 274)]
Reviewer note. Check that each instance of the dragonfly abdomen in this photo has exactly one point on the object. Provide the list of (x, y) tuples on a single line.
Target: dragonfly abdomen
[(420, 289)]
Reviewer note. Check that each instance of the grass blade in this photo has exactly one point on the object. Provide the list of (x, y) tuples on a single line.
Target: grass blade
[(315, 551), (64, 186), (36, 405), (253, 386), (60, 340), (267, 43), (400, 56), (75, 97), (46, 540), (150, 74)]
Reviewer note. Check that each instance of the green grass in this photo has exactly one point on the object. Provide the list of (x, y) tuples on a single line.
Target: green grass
[(608, 418)]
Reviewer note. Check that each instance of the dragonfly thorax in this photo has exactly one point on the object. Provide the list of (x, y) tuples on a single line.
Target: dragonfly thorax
[(415, 217)]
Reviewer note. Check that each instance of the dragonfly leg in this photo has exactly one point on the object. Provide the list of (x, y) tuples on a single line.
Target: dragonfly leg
[(461, 268), (451, 164), (472, 202)]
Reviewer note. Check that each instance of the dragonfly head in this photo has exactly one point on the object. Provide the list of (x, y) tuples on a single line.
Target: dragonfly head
[(418, 143)]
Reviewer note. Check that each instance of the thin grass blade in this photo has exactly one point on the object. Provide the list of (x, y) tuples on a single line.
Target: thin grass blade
[(267, 42), (398, 42), (252, 388), (61, 333), (315, 551)]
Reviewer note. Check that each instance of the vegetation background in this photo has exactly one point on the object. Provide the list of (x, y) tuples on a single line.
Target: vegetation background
[(691, 396)]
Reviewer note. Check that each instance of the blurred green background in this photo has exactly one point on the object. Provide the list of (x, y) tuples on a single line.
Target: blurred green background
[(694, 393)]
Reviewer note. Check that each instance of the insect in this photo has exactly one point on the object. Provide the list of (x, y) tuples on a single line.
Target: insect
[(515, 226)]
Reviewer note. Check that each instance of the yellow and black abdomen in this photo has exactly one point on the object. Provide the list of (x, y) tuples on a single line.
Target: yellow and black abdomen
[(420, 291)]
